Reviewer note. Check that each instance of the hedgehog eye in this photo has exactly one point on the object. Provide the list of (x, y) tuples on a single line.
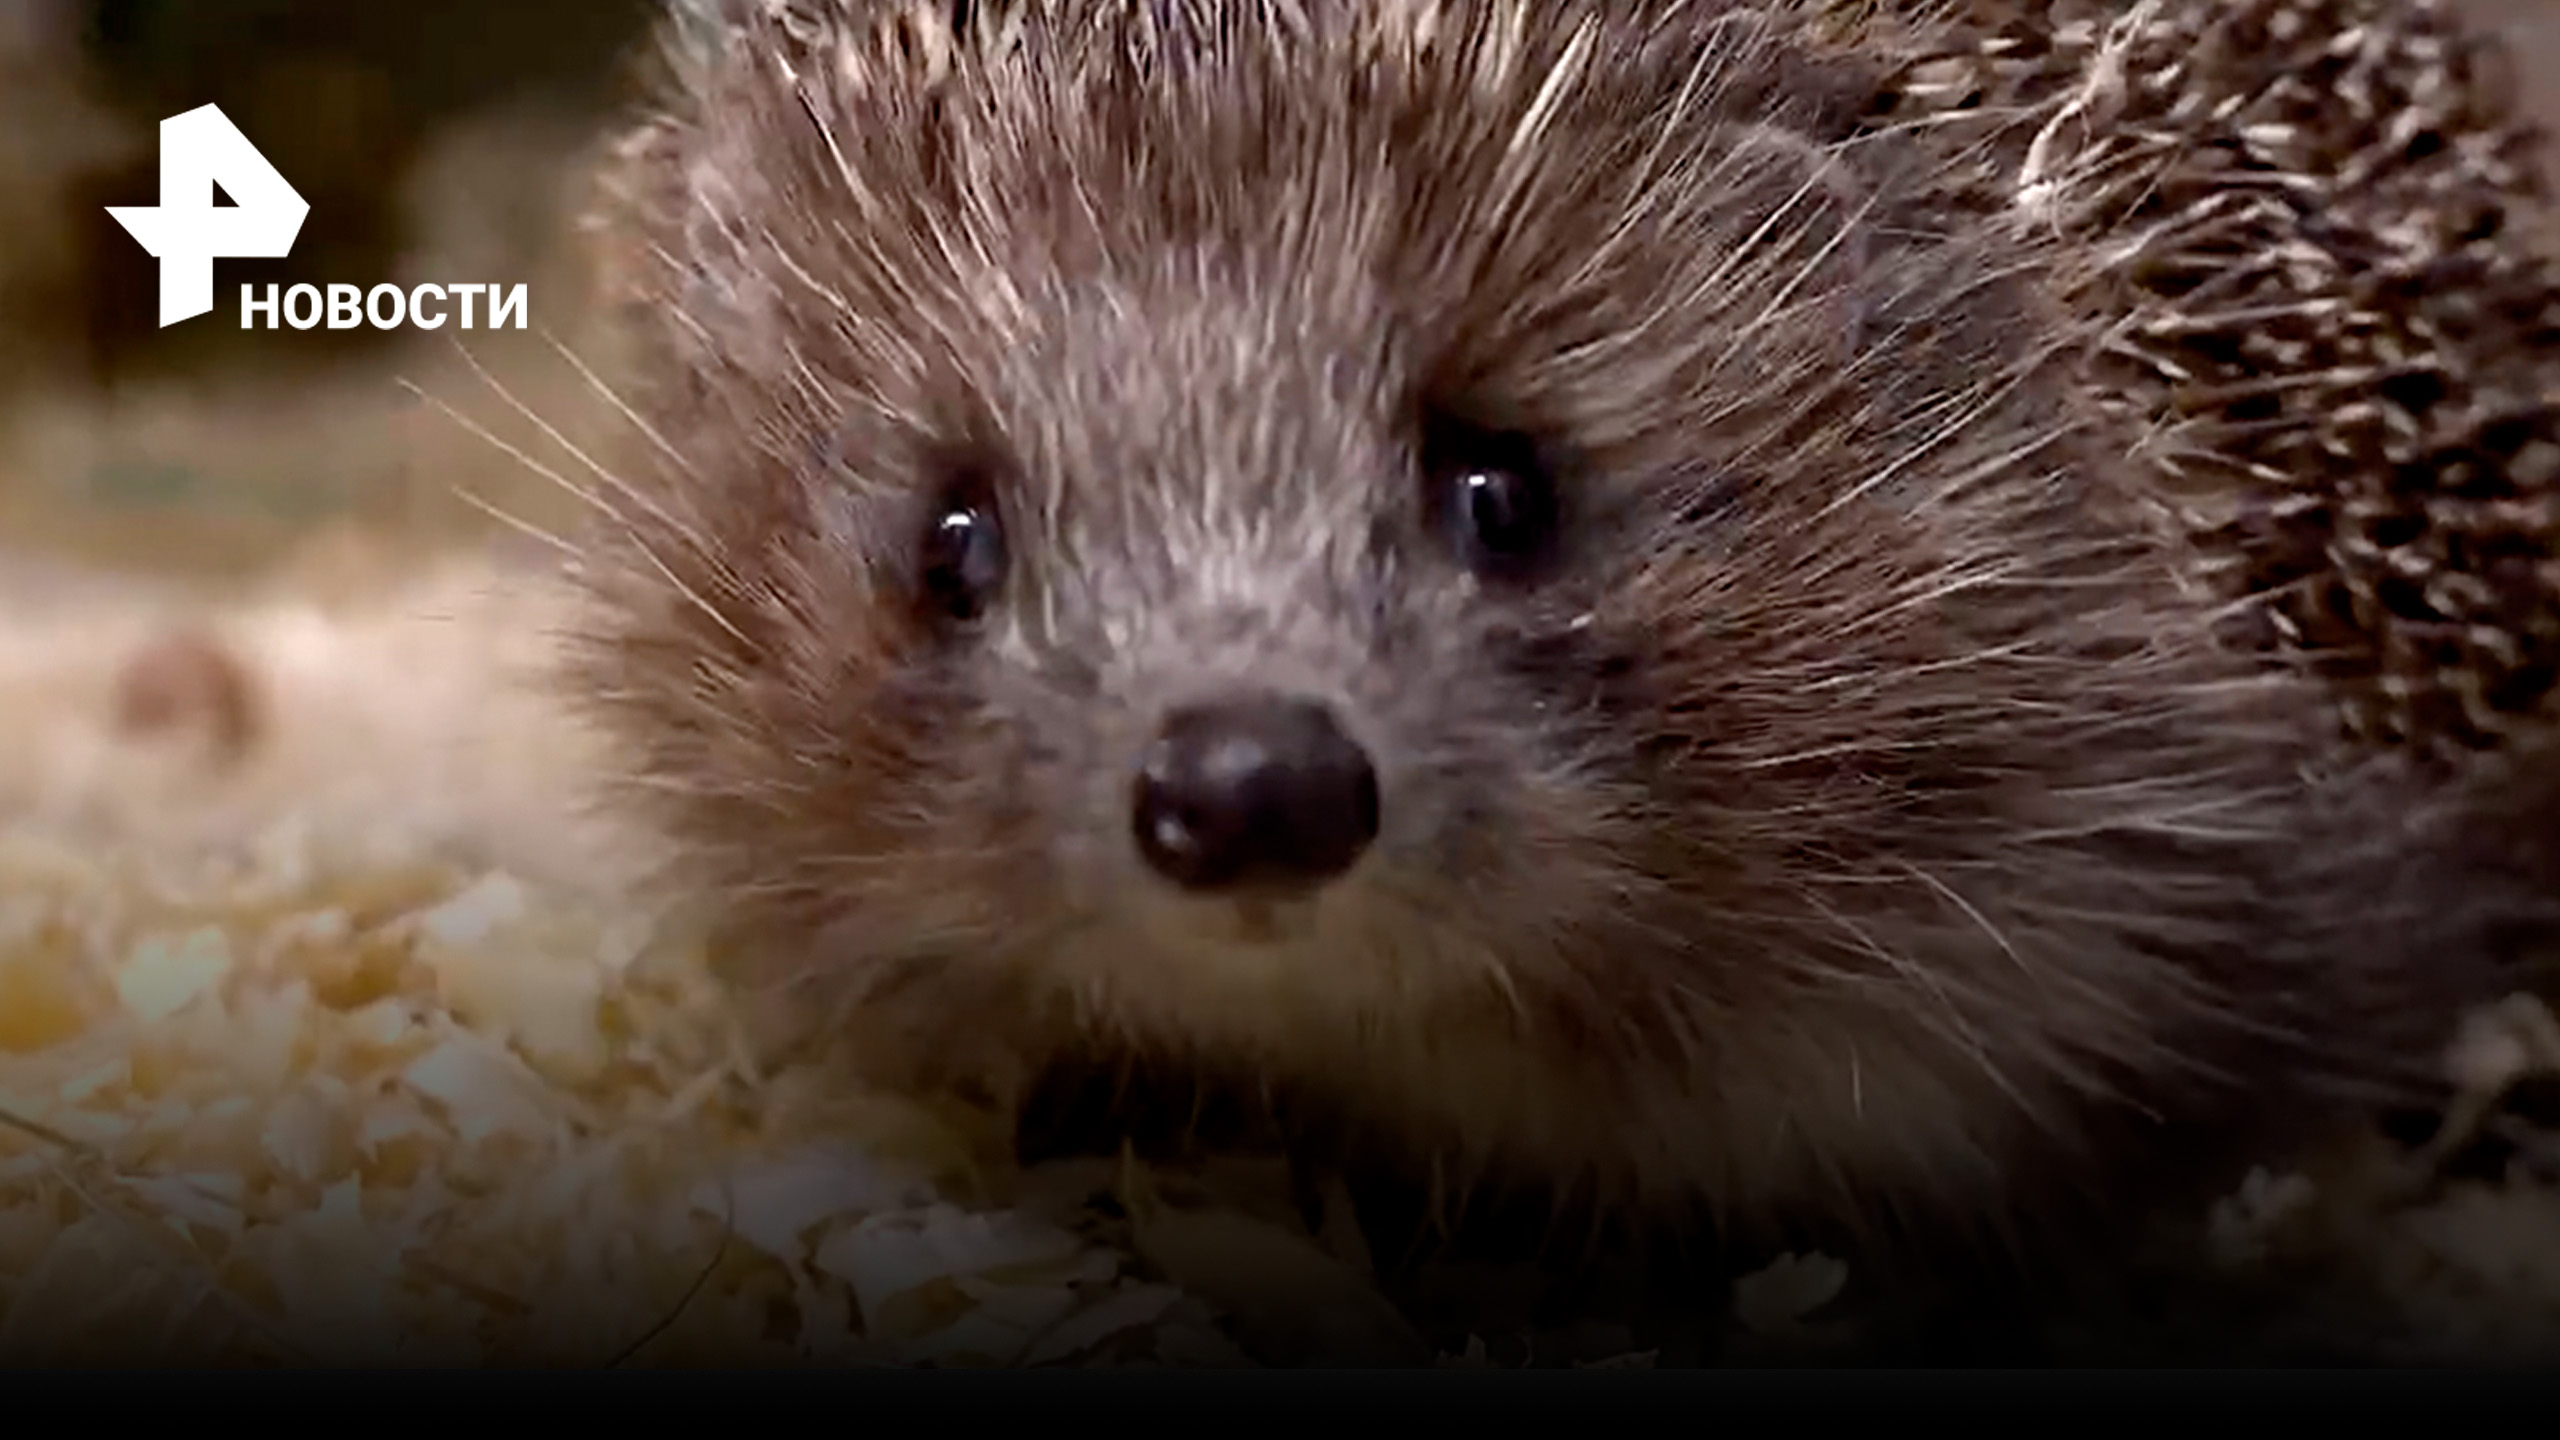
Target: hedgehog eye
[(1495, 493), (964, 557)]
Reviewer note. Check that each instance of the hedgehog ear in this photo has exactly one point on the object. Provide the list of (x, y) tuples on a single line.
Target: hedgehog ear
[(933, 31), (927, 32), (1799, 197)]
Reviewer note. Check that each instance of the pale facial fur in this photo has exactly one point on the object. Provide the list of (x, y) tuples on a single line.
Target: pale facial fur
[(1849, 806)]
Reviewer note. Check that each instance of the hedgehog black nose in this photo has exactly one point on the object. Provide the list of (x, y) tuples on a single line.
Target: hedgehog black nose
[(1258, 793)]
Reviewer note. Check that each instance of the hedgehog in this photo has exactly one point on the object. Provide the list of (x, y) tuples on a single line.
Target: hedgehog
[(2318, 231), (1739, 614)]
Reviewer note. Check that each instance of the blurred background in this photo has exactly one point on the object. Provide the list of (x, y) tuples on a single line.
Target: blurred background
[(439, 141), (442, 140)]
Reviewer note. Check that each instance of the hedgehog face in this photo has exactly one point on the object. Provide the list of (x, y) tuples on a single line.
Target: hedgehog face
[(1379, 549)]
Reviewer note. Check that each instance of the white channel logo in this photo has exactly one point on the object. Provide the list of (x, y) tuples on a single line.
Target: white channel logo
[(186, 232)]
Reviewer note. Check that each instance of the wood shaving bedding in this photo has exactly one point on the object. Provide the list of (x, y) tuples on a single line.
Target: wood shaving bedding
[(351, 1052)]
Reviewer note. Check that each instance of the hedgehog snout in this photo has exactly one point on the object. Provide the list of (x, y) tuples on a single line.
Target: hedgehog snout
[(1259, 792)]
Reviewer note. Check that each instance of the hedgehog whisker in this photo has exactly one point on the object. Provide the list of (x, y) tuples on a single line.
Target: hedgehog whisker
[(622, 407), (1945, 1016), (515, 522), (1995, 934), (514, 452)]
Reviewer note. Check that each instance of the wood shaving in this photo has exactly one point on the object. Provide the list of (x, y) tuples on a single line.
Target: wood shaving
[(1776, 1300), (350, 1052), (1288, 1295)]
